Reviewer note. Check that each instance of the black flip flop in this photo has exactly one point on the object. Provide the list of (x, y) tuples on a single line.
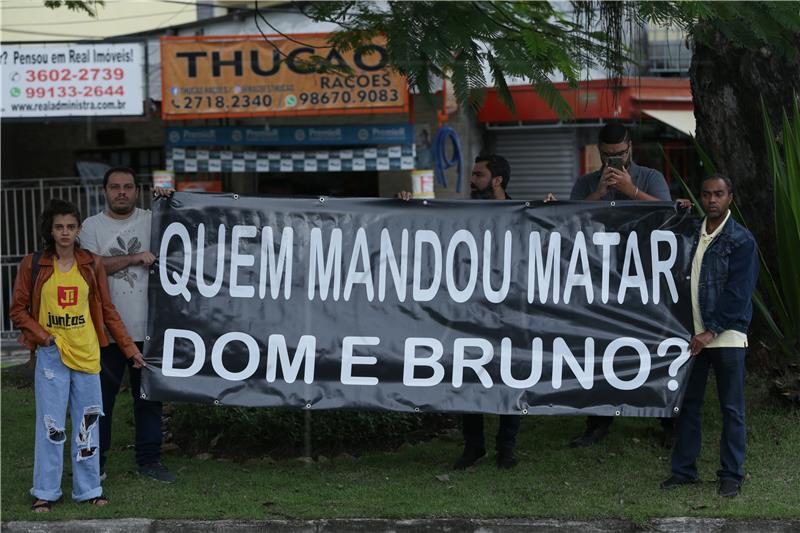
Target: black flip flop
[(40, 506), (100, 501)]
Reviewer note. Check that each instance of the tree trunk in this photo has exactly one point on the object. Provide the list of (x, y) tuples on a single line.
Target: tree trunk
[(728, 83)]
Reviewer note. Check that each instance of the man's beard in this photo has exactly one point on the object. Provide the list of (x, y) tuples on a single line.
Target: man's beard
[(487, 193), (122, 210)]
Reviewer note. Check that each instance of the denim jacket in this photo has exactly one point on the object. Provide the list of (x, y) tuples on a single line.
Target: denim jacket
[(728, 276)]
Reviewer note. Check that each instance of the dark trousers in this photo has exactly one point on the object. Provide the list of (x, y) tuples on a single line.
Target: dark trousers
[(472, 426), (146, 414), (728, 366), (597, 422)]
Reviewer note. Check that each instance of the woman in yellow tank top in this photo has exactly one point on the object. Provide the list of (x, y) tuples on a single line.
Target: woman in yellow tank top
[(60, 304)]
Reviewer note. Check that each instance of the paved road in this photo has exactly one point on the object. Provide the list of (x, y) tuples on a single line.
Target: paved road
[(12, 353)]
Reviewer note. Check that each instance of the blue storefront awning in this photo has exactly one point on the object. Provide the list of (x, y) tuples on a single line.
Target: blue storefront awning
[(337, 135)]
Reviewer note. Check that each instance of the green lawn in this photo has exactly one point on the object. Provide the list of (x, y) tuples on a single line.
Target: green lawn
[(616, 479)]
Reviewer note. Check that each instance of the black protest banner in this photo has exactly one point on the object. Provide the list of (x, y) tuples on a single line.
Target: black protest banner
[(484, 306)]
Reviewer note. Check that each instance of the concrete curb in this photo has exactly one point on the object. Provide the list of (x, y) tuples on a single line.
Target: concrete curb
[(666, 525)]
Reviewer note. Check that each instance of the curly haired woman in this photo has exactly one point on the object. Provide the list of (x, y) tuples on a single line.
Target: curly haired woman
[(60, 304)]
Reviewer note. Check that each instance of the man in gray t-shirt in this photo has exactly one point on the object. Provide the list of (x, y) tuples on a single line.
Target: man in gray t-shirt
[(121, 236), (619, 178), (125, 241), (632, 182)]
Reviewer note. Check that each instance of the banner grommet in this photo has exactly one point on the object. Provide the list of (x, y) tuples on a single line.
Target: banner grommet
[(416, 409), (143, 396), (617, 413), (308, 406), (527, 204), (216, 402), (235, 196), (524, 411)]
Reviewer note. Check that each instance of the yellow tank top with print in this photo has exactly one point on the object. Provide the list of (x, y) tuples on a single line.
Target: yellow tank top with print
[(64, 313)]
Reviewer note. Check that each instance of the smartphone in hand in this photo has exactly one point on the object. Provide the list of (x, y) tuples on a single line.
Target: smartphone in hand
[(615, 162)]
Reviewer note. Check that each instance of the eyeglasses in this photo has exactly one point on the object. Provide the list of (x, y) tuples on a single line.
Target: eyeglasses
[(606, 155)]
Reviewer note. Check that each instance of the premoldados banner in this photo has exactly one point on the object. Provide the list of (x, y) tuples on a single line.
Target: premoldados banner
[(204, 77), (480, 306)]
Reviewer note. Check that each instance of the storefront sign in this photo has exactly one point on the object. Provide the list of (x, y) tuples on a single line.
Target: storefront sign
[(70, 80), (164, 179), (200, 185), (496, 307), (369, 134), (206, 77)]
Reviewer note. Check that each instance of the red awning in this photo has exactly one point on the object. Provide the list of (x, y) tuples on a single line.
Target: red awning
[(592, 100)]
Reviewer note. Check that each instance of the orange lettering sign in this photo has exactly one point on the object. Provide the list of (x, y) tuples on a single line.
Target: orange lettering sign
[(205, 77)]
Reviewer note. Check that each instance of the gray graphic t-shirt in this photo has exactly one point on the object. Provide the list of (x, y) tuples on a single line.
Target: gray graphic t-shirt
[(108, 236)]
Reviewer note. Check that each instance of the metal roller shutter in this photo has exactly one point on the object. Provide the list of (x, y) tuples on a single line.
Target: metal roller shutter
[(541, 162)]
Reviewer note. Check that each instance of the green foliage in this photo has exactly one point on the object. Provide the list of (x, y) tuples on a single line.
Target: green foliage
[(459, 40), (535, 41), (248, 432), (784, 158), (86, 6), (749, 25)]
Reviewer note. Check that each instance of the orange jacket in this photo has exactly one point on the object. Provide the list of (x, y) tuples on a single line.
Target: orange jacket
[(100, 306)]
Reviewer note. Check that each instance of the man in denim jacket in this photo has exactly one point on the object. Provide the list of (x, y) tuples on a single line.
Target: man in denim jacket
[(724, 275)]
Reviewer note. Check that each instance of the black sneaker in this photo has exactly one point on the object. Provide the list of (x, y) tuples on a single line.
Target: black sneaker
[(729, 488), (590, 437), (505, 458), (676, 481), (469, 457), (158, 472)]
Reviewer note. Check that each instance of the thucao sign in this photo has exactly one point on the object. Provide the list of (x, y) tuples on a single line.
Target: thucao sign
[(205, 77), (497, 307)]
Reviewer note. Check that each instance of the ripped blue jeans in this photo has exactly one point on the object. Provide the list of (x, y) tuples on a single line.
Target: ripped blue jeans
[(56, 385)]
